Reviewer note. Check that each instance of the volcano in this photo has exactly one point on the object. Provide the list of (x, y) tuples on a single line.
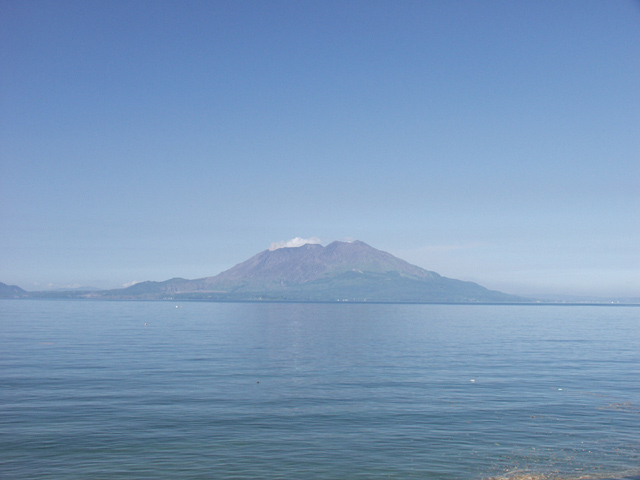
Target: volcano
[(340, 271)]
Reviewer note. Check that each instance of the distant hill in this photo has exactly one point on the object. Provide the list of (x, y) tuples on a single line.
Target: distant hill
[(12, 291), (341, 271)]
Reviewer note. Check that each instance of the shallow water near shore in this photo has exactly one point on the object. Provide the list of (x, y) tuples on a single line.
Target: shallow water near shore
[(141, 390)]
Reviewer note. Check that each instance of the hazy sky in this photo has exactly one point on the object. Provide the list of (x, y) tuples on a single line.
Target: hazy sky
[(493, 141)]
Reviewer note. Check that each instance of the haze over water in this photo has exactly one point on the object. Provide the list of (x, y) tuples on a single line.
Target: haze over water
[(141, 390)]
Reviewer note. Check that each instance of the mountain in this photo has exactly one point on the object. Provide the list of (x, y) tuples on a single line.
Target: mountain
[(12, 291), (341, 271)]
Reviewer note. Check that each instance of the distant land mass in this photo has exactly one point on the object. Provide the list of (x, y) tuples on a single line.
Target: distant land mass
[(341, 271), (12, 291)]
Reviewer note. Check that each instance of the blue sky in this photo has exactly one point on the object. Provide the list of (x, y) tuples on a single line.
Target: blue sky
[(493, 141)]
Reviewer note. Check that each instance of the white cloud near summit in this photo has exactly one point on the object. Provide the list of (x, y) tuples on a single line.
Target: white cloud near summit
[(294, 242)]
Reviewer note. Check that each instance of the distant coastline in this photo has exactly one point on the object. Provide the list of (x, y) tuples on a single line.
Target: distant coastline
[(341, 272)]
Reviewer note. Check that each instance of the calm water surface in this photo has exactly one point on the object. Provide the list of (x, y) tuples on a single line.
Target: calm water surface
[(147, 390)]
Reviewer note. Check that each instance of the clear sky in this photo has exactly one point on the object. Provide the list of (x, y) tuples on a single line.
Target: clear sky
[(493, 141)]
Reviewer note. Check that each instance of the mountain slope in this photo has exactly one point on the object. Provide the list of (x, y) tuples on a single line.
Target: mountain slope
[(12, 291), (352, 271), (289, 267)]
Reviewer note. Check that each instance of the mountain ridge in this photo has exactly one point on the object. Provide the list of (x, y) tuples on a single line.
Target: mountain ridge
[(12, 291), (352, 271), (341, 271)]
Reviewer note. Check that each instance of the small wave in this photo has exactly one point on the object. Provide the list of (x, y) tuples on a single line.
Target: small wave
[(519, 475), (626, 406)]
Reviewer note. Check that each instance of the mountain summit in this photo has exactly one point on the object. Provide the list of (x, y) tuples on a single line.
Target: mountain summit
[(311, 262), (341, 271)]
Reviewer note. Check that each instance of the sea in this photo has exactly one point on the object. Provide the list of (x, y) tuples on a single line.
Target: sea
[(196, 390)]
